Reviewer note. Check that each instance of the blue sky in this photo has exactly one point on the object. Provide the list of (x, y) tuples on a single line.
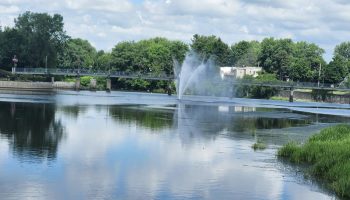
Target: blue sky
[(106, 22)]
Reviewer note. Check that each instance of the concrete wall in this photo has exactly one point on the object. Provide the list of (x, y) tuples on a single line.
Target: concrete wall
[(64, 85), (46, 85), (26, 85), (331, 98)]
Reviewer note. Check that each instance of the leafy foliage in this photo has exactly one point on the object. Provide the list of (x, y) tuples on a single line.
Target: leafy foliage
[(260, 92), (245, 53), (37, 36), (154, 56), (77, 53), (34, 37), (211, 47)]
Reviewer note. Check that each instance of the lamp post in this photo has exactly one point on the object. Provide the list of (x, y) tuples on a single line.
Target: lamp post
[(15, 61), (319, 75)]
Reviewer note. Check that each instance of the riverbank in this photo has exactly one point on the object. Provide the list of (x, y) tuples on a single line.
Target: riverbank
[(327, 155), (303, 95), (22, 85)]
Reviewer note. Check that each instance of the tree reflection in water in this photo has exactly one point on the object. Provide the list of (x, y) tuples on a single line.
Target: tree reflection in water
[(31, 129), (152, 118)]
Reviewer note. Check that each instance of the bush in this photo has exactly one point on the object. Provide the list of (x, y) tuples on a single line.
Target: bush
[(320, 95), (259, 92), (85, 81), (328, 154)]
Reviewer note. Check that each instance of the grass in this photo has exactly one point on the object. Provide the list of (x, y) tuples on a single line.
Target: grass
[(328, 157), (340, 92), (277, 98), (259, 145), (303, 90)]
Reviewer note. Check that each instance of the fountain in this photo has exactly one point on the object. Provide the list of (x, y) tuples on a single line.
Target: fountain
[(198, 77)]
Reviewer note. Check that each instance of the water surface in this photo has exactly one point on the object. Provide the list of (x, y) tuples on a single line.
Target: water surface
[(95, 145)]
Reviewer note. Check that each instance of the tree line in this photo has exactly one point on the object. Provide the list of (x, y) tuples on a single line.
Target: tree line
[(39, 40)]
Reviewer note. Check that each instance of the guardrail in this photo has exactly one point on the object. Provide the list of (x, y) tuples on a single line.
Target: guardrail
[(60, 71), (163, 76)]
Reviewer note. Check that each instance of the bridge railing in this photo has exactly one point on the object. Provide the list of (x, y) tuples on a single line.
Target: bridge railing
[(290, 84), (163, 76), (69, 71)]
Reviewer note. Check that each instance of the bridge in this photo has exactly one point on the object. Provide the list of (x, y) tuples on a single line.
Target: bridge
[(89, 72), (153, 76)]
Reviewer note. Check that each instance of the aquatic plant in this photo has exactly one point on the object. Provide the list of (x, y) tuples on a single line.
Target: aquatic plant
[(259, 145), (328, 157)]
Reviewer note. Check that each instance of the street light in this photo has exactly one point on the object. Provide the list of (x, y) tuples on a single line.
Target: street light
[(319, 75)]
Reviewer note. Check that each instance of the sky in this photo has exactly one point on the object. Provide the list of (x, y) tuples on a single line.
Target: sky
[(106, 22)]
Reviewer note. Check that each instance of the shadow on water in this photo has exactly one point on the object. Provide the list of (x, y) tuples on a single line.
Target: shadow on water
[(31, 129)]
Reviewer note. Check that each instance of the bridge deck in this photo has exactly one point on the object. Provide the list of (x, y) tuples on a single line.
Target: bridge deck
[(83, 72), (153, 76)]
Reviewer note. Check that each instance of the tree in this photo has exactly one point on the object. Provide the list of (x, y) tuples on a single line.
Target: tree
[(103, 61), (336, 70), (343, 50), (275, 55), (123, 55), (77, 53), (306, 61), (11, 42), (259, 92), (42, 36), (211, 47), (245, 53), (154, 56)]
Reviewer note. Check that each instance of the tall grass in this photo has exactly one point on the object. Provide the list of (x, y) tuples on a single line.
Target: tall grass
[(328, 154)]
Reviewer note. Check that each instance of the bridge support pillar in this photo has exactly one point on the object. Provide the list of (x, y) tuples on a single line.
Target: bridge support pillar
[(169, 88), (291, 95), (52, 80), (93, 84), (77, 83), (108, 85)]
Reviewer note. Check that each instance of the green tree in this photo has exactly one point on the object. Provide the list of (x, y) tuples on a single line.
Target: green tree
[(336, 70), (103, 61), (211, 47), (77, 53), (245, 53), (343, 50), (11, 41), (275, 55), (306, 61), (259, 92), (42, 36), (154, 55)]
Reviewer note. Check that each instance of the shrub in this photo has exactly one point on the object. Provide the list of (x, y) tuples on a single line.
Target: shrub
[(328, 154)]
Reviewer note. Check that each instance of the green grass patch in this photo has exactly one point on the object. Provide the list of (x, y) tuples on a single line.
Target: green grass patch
[(279, 98), (328, 157), (259, 145), (340, 92), (303, 90)]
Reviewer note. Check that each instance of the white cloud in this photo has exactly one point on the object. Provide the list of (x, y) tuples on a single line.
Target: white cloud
[(106, 22), (8, 9), (100, 5)]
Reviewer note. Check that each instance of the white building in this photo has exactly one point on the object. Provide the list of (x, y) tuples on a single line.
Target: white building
[(239, 72)]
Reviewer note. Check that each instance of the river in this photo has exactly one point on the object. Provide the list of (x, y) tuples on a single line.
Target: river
[(123, 145)]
